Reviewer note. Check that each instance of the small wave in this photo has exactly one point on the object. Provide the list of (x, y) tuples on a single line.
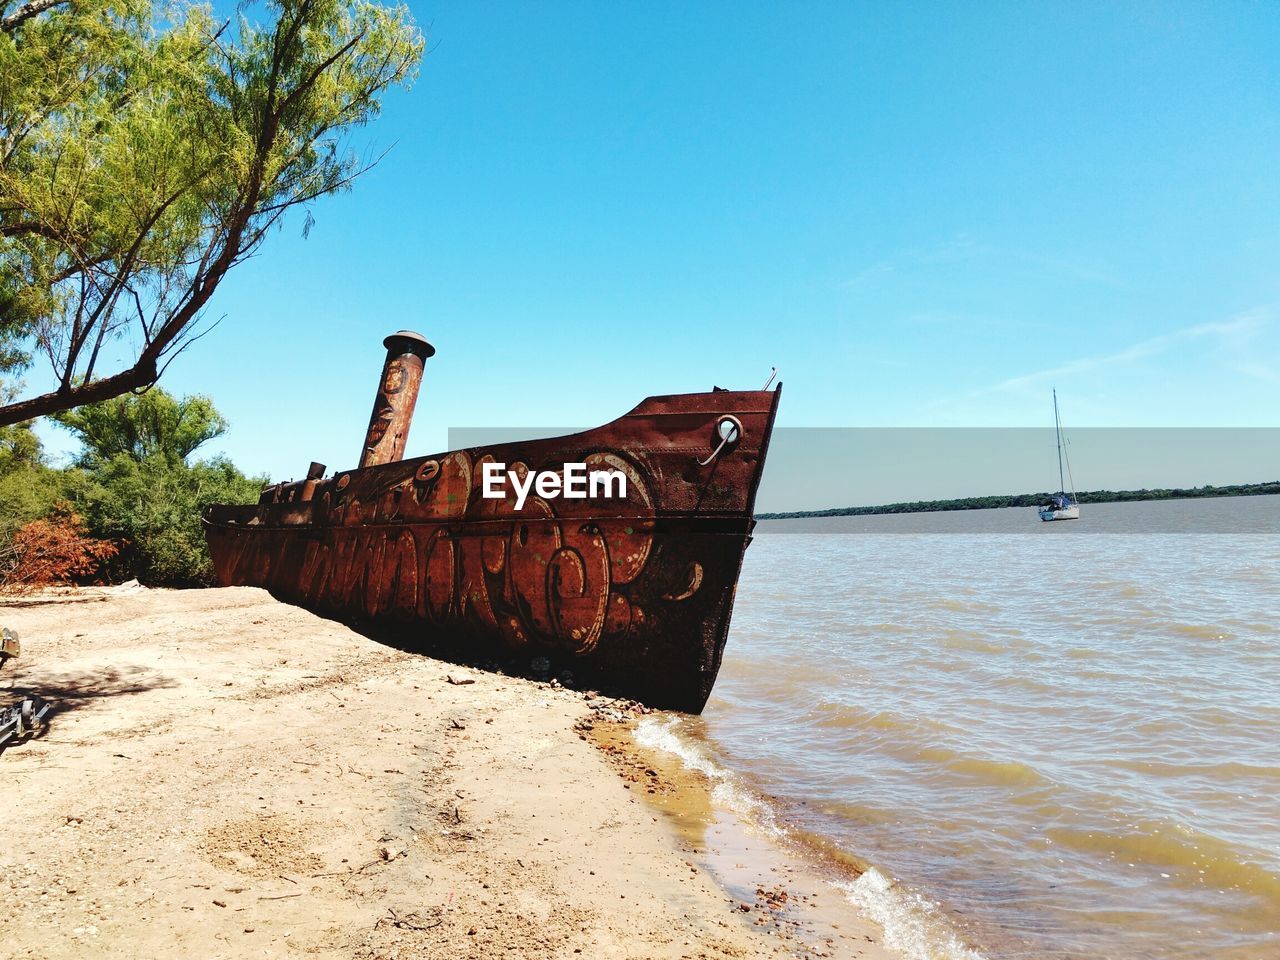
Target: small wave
[(961, 606), (729, 795), (1205, 631), (1187, 853), (1001, 773), (661, 735), (913, 926), (1225, 773), (726, 792), (1116, 588), (956, 639), (838, 716)]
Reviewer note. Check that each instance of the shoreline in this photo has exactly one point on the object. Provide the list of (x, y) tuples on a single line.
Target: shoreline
[(226, 775), (780, 880), (1020, 501)]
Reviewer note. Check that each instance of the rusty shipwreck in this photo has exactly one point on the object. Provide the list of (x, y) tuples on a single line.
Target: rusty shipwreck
[(630, 592)]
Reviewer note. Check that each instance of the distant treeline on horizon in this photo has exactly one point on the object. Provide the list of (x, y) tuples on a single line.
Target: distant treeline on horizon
[(1033, 500)]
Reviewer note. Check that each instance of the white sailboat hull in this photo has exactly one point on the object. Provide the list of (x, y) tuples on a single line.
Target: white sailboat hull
[(1060, 513), (1062, 505)]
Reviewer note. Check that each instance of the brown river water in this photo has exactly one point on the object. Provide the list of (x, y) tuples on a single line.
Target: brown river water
[(1046, 740)]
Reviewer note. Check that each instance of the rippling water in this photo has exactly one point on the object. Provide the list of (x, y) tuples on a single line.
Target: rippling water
[(1070, 743)]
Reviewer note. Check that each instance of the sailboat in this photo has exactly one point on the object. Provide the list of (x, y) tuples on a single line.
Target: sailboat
[(1062, 505)]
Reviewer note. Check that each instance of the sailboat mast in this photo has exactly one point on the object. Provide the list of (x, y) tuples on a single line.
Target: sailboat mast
[(1057, 426)]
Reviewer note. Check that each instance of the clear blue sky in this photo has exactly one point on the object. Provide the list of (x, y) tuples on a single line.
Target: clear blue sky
[(924, 214)]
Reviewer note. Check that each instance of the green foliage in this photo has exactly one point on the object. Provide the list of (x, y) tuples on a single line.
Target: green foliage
[(29, 488), (132, 483), (146, 149), (19, 448), (155, 424), (153, 505), (142, 492), (86, 151)]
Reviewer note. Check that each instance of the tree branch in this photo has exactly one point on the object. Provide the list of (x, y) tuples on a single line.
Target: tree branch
[(26, 12), (141, 374), (30, 227), (256, 128)]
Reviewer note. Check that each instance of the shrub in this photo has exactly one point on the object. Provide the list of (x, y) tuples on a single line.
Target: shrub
[(154, 506), (138, 498), (51, 551), (29, 489), (140, 489)]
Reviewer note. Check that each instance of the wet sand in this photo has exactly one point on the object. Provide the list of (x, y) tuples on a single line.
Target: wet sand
[(228, 776)]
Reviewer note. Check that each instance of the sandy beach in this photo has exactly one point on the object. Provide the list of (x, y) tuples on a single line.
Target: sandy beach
[(228, 776)]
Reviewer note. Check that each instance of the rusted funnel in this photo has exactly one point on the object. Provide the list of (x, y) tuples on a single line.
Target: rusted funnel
[(397, 393)]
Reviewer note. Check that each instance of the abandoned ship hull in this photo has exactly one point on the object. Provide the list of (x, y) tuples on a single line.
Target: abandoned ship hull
[(629, 592)]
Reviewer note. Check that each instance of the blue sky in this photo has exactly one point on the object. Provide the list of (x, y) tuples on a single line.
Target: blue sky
[(924, 214)]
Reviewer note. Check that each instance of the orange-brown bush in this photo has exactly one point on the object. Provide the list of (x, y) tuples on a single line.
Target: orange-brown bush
[(51, 551)]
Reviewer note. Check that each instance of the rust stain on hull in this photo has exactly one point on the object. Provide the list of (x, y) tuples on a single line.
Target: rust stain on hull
[(632, 593)]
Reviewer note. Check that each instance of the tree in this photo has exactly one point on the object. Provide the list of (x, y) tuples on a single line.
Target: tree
[(141, 492), (35, 527), (154, 424), (146, 150), (153, 506), (29, 488)]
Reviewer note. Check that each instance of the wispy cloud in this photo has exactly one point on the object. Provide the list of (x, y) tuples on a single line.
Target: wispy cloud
[(908, 261), (963, 249), (867, 275), (1089, 273), (1259, 371), (1234, 332)]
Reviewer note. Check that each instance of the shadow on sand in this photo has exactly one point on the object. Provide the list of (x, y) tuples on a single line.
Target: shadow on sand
[(67, 692), (468, 651)]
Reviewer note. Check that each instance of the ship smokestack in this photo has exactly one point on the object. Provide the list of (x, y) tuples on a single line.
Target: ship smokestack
[(407, 352)]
